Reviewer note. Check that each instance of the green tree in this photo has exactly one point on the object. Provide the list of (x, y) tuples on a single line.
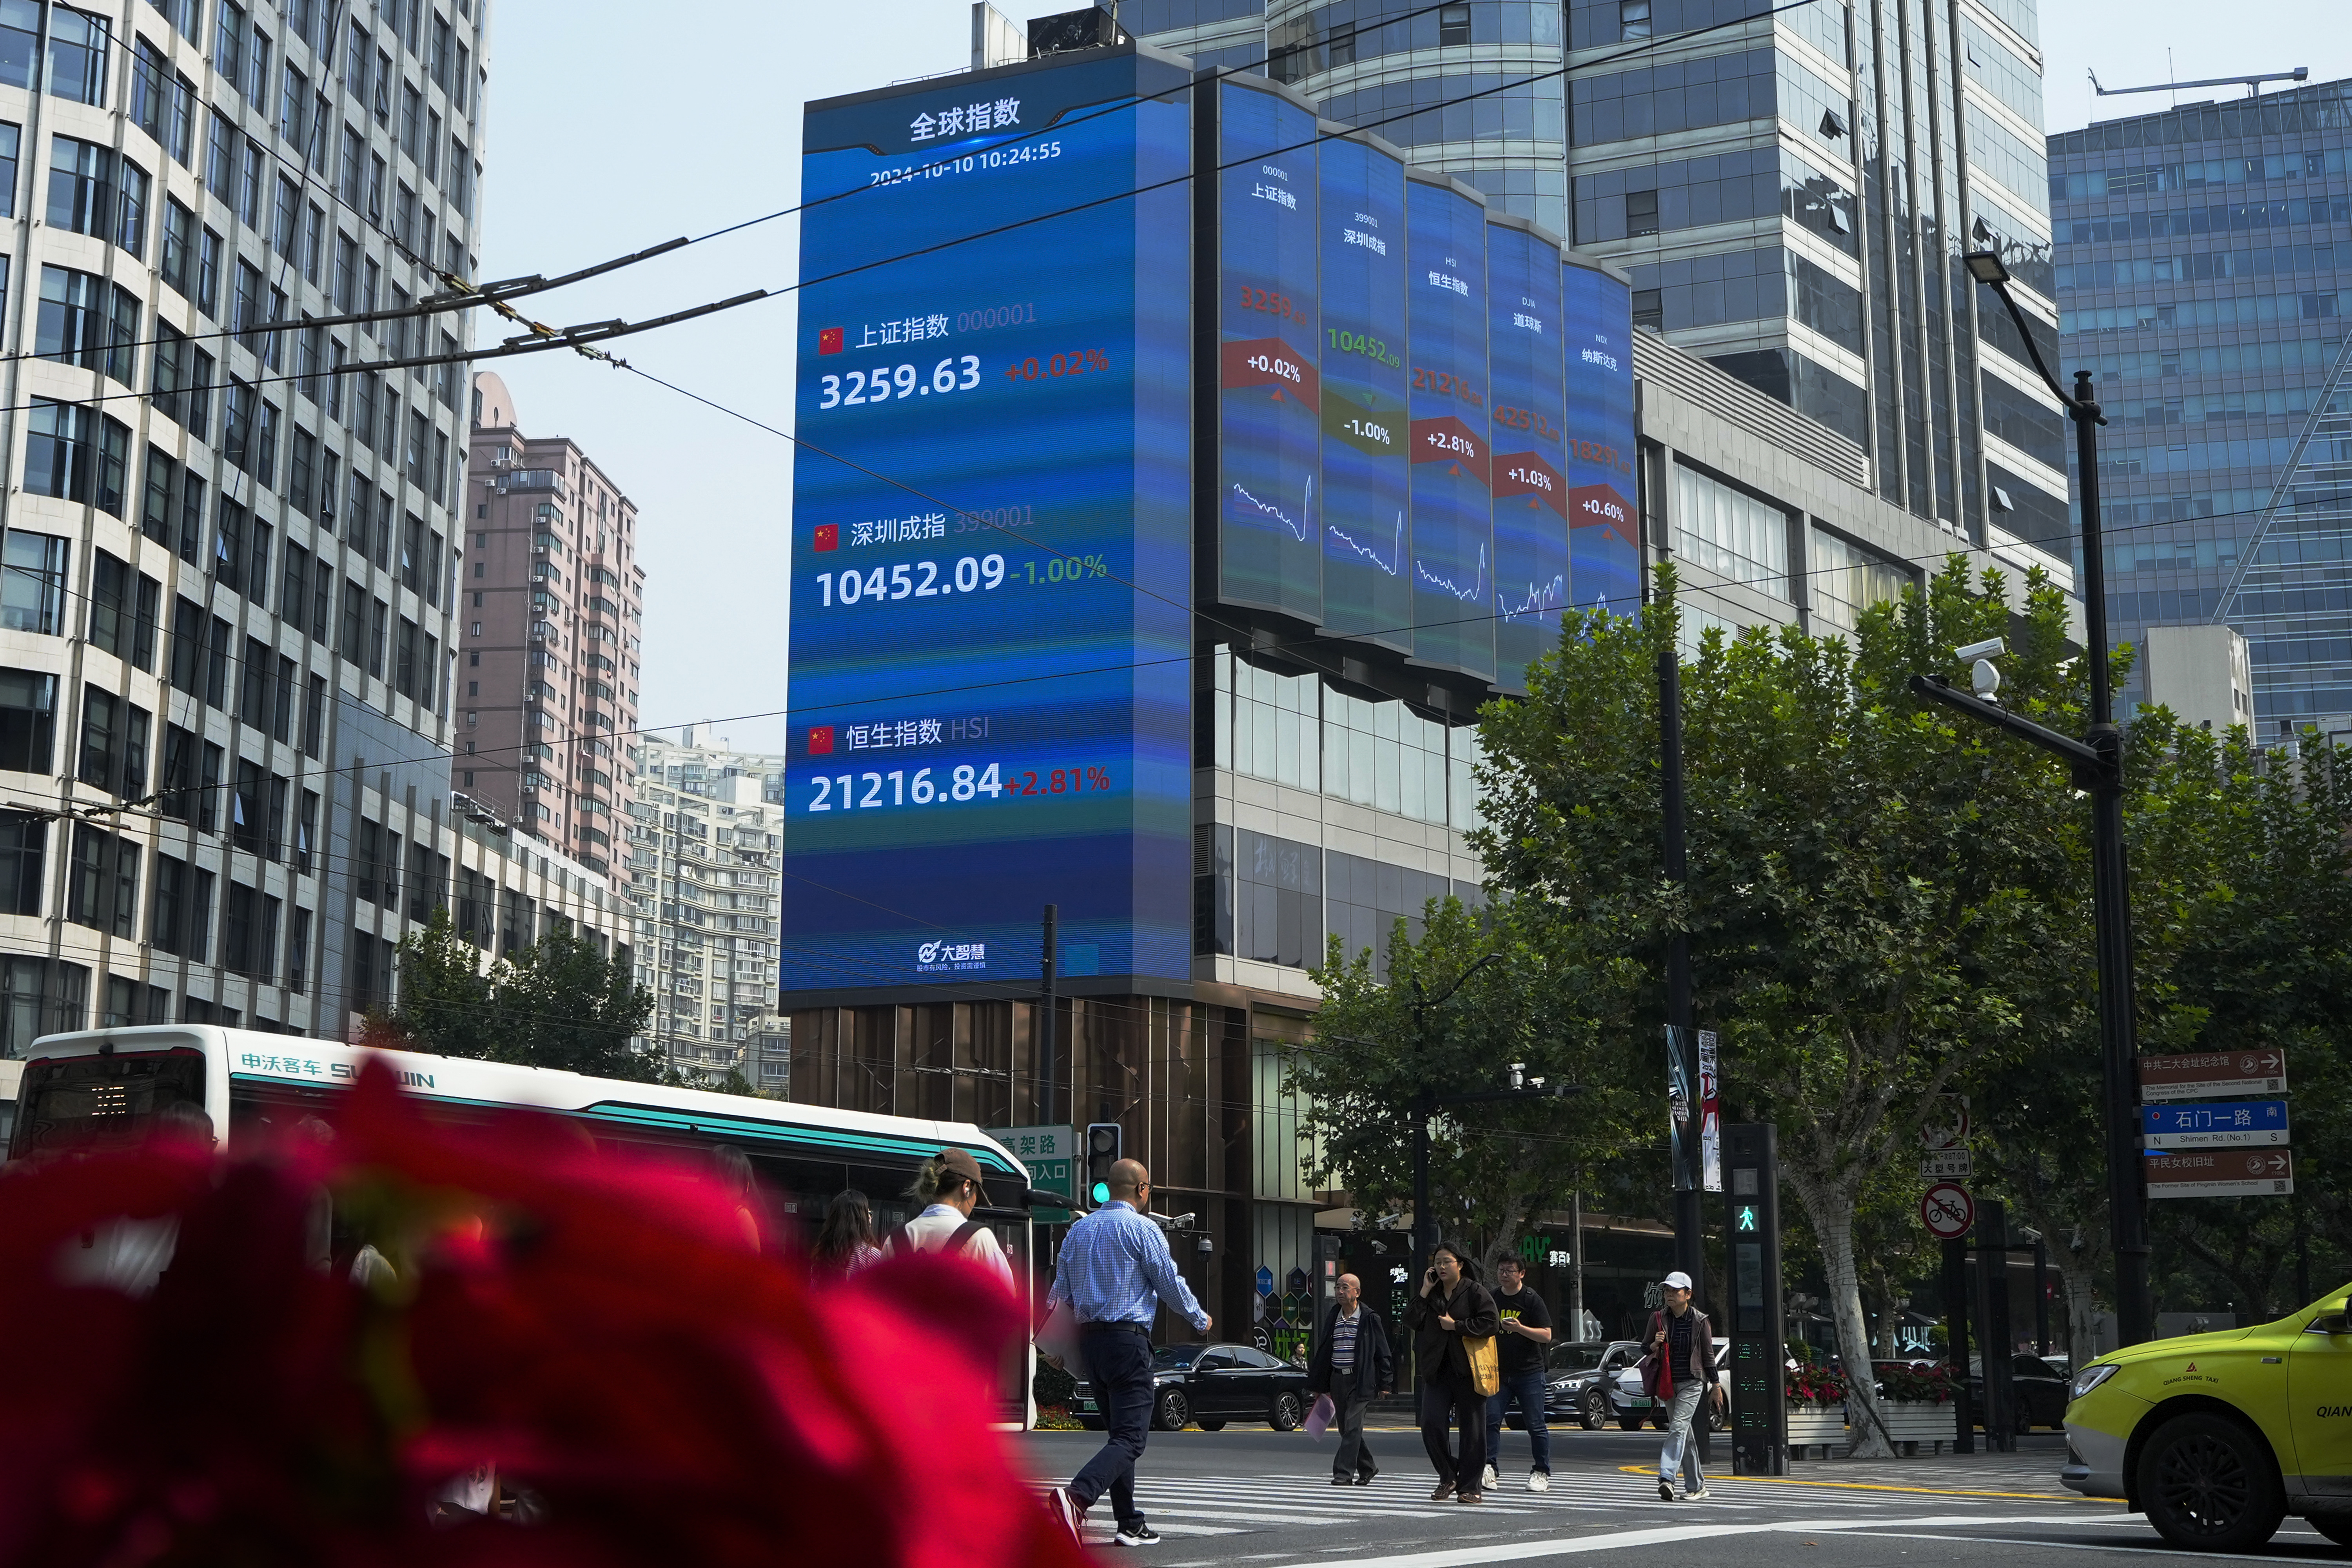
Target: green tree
[(1379, 1044), (556, 1004), (1869, 875)]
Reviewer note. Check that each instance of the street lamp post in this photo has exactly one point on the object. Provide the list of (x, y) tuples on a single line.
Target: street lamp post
[(2098, 768)]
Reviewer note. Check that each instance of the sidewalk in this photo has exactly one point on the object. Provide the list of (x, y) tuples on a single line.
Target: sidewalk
[(2031, 1471)]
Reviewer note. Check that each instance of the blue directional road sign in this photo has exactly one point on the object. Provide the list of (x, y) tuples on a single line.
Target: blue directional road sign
[(2230, 1124)]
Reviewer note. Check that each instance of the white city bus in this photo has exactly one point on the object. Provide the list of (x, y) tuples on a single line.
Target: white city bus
[(98, 1088)]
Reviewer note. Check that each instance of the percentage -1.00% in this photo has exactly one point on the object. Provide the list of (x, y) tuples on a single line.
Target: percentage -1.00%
[(1066, 569)]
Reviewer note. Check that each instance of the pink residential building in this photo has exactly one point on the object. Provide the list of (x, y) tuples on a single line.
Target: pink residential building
[(551, 606)]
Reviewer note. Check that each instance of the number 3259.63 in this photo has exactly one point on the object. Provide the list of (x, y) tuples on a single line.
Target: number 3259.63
[(885, 382)]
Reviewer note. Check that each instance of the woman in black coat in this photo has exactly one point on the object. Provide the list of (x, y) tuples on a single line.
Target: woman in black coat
[(1452, 1307)]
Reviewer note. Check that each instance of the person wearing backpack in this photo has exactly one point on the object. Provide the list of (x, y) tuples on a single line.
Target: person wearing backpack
[(953, 1181), (1677, 1372)]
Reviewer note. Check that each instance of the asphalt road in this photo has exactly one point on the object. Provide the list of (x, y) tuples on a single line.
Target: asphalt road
[(1247, 1495)]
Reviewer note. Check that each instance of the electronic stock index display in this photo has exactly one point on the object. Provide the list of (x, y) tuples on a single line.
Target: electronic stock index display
[(1077, 344)]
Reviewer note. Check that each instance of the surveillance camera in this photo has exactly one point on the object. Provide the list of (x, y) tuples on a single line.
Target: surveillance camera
[(1991, 647), (1985, 678)]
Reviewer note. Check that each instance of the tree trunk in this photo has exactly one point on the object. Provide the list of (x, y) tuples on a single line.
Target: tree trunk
[(1830, 1205)]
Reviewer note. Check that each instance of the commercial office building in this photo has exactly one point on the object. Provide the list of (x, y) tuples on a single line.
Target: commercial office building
[(1791, 196), (1330, 789), (2204, 270), (227, 628)]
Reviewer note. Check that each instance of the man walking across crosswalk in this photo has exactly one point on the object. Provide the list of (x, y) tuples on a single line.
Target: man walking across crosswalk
[(1114, 1271), (1352, 1362)]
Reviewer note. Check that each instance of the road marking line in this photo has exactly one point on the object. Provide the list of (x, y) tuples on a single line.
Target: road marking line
[(1662, 1535), (1878, 1486), (2085, 1546)]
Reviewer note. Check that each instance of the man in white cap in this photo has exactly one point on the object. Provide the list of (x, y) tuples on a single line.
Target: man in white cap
[(1678, 1371)]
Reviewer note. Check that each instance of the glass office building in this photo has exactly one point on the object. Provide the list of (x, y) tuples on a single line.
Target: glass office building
[(1792, 196), (2205, 276)]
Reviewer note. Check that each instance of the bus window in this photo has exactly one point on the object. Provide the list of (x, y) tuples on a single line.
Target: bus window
[(74, 1103)]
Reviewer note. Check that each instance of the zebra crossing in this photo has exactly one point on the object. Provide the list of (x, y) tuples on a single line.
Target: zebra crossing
[(1226, 1505)]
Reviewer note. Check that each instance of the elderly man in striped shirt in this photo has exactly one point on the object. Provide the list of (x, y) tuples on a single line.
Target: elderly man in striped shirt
[(1115, 1269)]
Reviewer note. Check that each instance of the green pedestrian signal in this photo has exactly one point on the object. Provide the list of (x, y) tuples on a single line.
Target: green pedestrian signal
[(1102, 1151), (1745, 1217)]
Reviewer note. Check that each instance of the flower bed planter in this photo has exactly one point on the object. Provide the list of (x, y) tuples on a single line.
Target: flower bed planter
[(1815, 1427), (1911, 1422)]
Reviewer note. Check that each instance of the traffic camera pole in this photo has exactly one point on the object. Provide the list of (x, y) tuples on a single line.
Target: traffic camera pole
[(2102, 777)]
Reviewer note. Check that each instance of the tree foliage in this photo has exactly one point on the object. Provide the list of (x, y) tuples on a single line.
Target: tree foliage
[(556, 1004)]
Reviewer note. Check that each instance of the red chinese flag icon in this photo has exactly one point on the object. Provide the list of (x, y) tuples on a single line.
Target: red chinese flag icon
[(828, 340), (828, 536), (820, 740)]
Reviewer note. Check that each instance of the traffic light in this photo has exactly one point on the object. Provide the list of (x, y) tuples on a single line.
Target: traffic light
[(1102, 1154), (1752, 1159)]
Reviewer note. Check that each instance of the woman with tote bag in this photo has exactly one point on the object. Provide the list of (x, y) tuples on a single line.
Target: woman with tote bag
[(1454, 1323)]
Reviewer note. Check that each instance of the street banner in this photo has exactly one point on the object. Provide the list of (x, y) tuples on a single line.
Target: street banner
[(1679, 1096), (2222, 1173), (2211, 1075), (2228, 1124), (1710, 1115)]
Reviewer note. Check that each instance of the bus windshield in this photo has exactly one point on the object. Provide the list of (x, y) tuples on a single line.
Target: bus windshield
[(101, 1103)]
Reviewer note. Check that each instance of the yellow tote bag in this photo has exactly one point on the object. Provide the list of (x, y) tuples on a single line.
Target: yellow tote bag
[(1486, 1364)]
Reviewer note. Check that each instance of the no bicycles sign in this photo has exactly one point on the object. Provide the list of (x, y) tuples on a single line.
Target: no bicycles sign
[(1948, 1211)]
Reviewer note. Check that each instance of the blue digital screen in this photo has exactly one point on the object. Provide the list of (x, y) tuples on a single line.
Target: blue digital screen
[(1453, 532), (1367, 476), (1524, 348), (1269, 530), (1605, 541), (992, 531)]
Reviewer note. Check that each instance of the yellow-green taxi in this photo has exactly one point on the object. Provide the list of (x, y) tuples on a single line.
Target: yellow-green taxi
[(2217, 1437)]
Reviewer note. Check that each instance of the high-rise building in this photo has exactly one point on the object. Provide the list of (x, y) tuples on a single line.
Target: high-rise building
[(555, 613), (1792, 196), (228, 618), (704, 842), (2205, 277)]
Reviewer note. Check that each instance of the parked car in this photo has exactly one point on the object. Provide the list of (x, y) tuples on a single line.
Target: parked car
[(1214, 1384), (1632, 1406), (1576, 1379), (2040, 1391)]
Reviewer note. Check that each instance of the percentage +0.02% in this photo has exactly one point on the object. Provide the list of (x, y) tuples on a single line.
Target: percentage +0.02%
[(1076, 362)]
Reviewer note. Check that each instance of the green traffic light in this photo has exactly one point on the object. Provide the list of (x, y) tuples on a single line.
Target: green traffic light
[(1102, 1192)]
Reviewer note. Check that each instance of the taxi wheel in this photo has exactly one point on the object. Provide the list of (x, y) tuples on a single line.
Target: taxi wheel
[(2209, 1485)]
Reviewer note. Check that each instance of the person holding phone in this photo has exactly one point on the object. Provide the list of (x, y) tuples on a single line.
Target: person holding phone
[(1678, 1371), (1451, 1306)]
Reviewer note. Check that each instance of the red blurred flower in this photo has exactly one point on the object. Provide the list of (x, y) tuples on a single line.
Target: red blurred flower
[(586, 1322)]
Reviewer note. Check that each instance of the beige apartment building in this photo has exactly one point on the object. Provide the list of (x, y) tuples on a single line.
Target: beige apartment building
[(552, 603)]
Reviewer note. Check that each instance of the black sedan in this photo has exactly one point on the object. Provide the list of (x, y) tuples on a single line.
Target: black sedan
[(2040, 1391), (1576, 1380), (1212, 1384)]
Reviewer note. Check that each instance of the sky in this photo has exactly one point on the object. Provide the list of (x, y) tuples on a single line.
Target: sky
[(603, 139)]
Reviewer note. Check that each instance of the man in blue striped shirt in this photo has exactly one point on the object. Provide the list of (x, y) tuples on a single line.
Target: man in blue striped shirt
[(1114, 1271)]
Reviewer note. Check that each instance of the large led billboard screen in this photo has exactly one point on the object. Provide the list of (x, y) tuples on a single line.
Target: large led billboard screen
[(992, 530), (1453, 531), (1367, 471), (1523, 336), (1605, 541), (1270, 508)]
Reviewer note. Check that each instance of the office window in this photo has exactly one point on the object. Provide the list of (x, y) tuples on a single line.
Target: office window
[(20, 42), (228, 546), (217, 662), (176, 784), (253, 704), (257, 74), (1633, 19), (77, 50), (1731, 533), (208, 274), (314, 715), (33, 582), (39, 997), (379, 621), (298, 950), (323, 603), (347, 173), (179, 245), (23, 856), (1848, 579), (403, 674), (305, 834), (1641, 212), (244, 308), (301, 468), (1452, 24), (114, 739), (151, 88), (109, 608), (81, 186), (291, 104), (28, 720), (220, 157), (314, 232), (103, 881), (229, 42), (237, 429), (355, 622), (244, 807)]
